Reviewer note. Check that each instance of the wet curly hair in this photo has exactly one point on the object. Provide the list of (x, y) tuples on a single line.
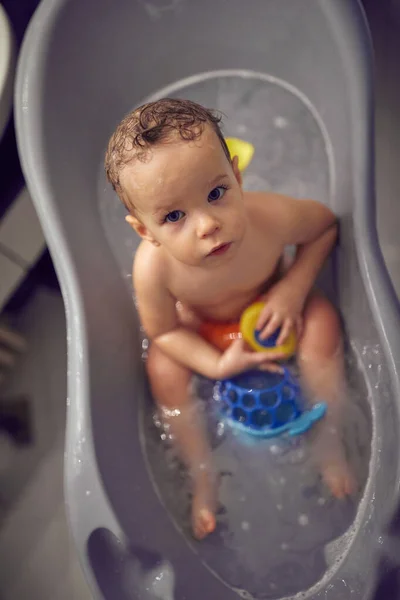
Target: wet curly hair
[(152, 124)]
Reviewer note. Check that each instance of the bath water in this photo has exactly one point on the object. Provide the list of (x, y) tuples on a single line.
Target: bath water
[(277, 522)]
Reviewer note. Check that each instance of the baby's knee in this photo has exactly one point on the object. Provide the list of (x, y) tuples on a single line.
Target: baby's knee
[(322, 332), (166, 376)]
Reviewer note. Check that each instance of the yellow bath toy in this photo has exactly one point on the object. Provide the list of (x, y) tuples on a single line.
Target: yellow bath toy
[(248, 324), (243, 150)]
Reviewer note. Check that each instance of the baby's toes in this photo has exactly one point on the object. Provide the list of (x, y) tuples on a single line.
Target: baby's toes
[(204, 523), (339, 479)]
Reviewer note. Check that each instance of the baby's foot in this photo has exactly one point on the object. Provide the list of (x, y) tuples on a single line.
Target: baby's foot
[(339, 477), (203, 507)]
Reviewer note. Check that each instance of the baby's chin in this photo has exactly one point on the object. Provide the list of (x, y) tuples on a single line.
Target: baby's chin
[(198, 261)]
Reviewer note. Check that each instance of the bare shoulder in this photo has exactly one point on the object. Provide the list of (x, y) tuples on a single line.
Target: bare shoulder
[(269, 205), (267, 211), (149, 266), (295, 221)]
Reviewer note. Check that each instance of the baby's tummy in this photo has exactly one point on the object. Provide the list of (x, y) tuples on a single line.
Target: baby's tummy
[(229, 306), (229, 309)]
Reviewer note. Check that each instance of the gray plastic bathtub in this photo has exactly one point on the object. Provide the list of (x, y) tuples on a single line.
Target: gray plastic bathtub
[(294, 78)]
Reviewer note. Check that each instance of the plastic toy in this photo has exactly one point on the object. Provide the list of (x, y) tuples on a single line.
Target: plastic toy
[(221, 335), (249, 332), (266, 404), (258, 402), (243, 150)]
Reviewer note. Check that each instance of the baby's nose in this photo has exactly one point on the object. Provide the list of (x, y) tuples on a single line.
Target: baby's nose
[(207, 225)]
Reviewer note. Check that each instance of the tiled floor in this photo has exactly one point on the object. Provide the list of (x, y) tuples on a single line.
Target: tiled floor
[(37, 560)]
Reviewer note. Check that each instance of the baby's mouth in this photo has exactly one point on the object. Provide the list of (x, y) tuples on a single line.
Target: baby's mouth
[(220, 249)]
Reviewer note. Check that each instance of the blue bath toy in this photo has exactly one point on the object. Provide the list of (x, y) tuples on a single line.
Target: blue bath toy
[(267, 404), (263, 403)]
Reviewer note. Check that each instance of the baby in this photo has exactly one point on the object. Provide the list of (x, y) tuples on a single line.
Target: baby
[(208, 250)]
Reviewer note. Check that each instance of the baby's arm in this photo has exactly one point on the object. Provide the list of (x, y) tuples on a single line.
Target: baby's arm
[(157, 310), (312, 227)]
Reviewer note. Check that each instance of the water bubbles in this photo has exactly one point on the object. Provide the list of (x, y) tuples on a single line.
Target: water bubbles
[(220, 429), (245, 595), (273, 586), (303, 520), (145, 344), (274, 449), (280, 122), (282, 480), (170, 412), (321, 501), (279, 506), (88, 492), (163, 436), (245, 525), (284, 546)]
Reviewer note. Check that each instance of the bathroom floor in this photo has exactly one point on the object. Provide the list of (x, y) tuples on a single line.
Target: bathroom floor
[(37, 559)]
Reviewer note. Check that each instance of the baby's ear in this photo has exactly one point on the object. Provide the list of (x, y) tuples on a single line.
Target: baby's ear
[(235, 167), (141, 229)]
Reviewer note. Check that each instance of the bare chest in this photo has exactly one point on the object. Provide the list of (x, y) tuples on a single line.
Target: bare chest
[(222, 294)]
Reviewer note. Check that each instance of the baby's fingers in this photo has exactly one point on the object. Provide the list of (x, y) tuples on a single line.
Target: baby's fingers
[(264, 317), (271, 367), (262, 359), (285, 330), (271, 326)]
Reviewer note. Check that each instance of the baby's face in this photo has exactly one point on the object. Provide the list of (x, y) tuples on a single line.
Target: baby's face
[(188, 199)]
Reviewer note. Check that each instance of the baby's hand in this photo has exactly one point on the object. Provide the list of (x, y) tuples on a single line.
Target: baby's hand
[(283, 308), (237, 358)]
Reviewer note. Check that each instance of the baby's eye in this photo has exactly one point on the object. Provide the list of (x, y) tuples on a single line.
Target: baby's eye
[(216, 193), (174, 216)]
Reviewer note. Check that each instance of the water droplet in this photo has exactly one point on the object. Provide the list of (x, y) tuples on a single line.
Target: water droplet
[(274, 449), (303, 520), (280, 122), (284, 546), (272, 586), (282, 481), (245, 525), (220, 429), (321, 501), (279, 506), (88, 492)]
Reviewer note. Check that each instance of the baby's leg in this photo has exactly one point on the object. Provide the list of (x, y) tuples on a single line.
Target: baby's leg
[(170, 385), (322, 371)]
